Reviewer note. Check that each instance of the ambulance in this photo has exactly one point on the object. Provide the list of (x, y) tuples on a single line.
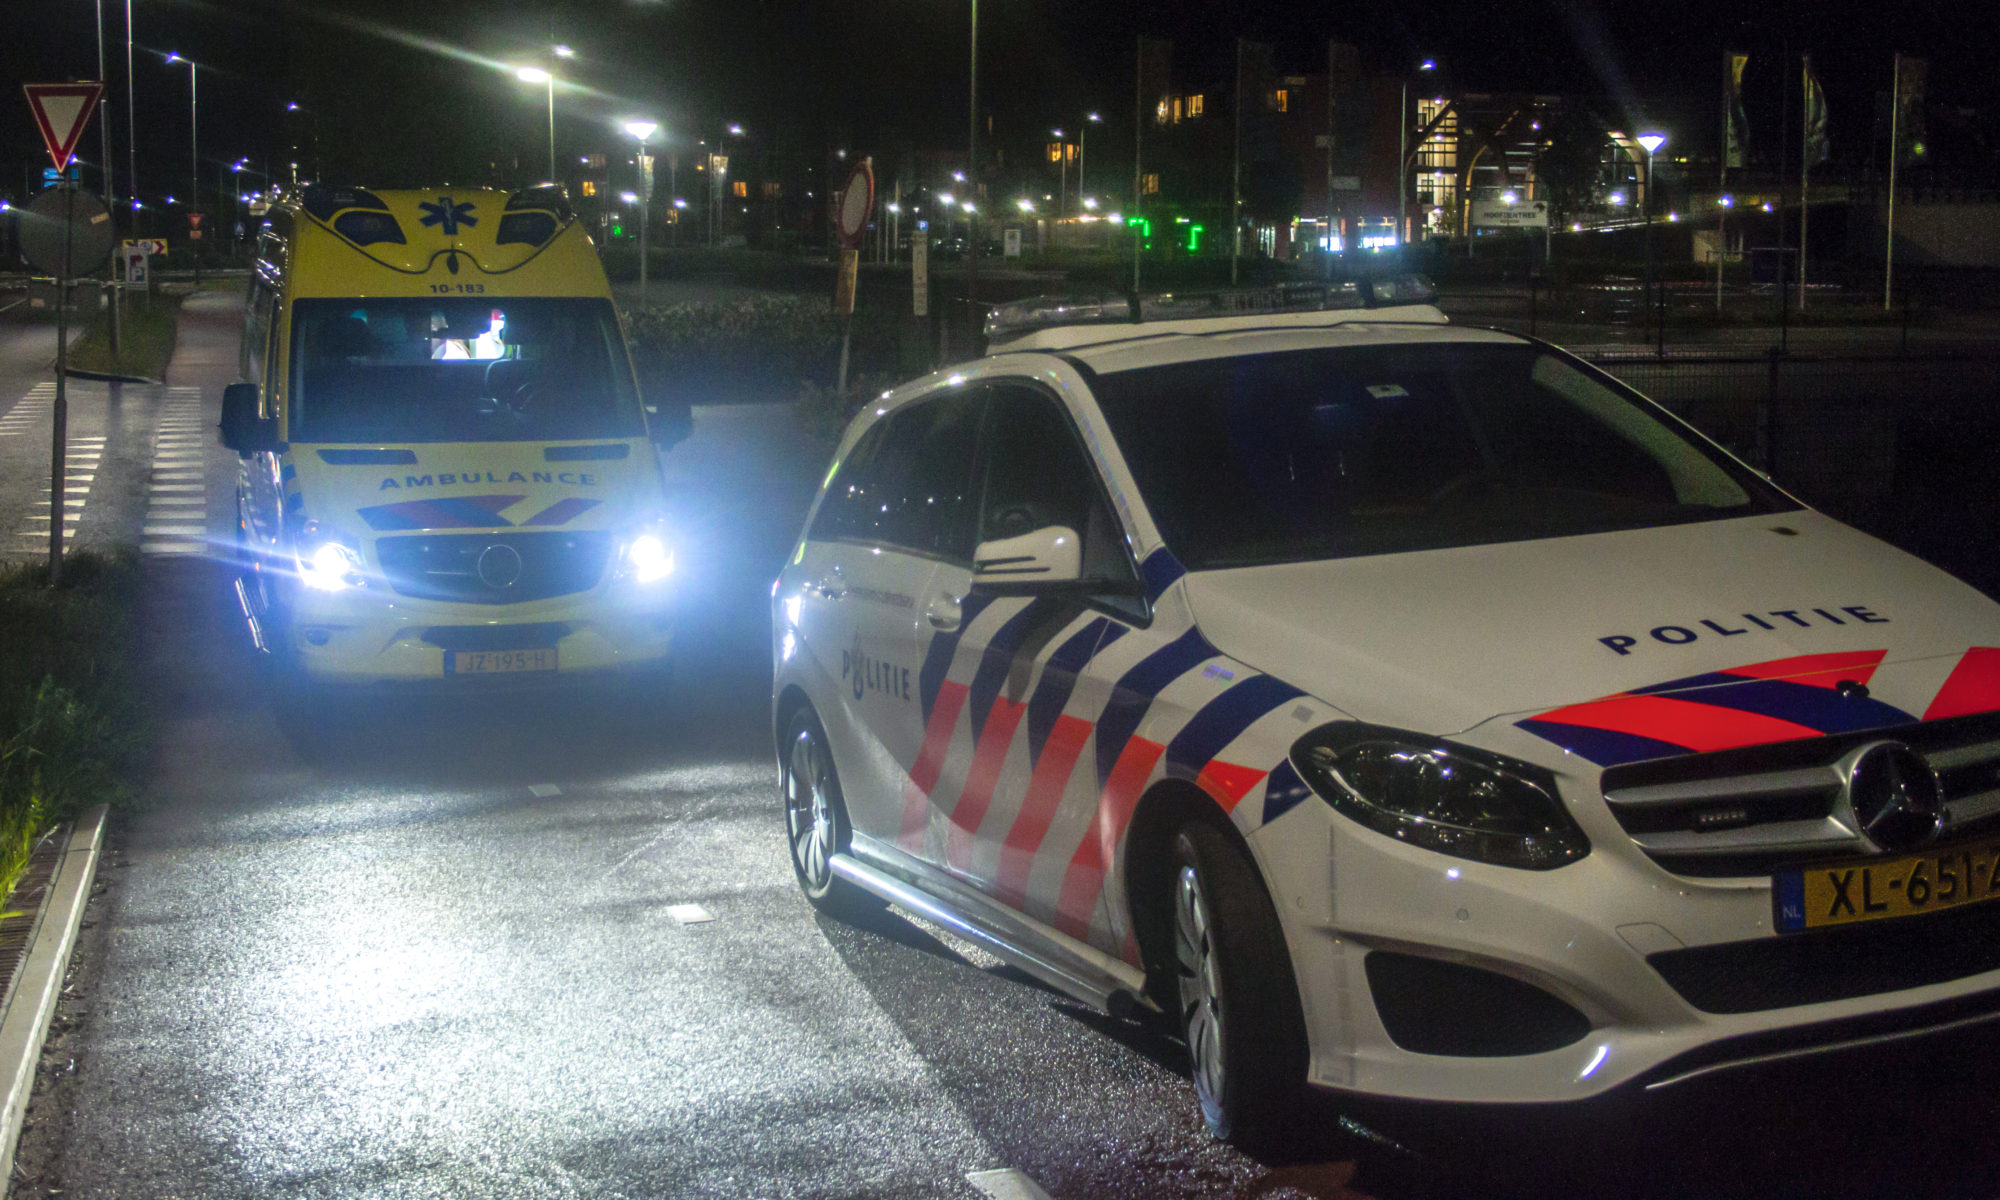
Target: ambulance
[(1392, 707), (448, 470)]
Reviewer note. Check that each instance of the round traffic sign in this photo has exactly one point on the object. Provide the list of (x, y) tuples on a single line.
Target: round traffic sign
[(44, 240), (857, 203)]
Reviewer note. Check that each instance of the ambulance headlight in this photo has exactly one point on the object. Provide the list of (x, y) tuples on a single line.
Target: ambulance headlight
[(1444, 797), (649, 555), (329, 566)]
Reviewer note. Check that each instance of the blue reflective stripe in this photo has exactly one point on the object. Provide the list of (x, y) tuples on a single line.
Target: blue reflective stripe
[(1800, 703), (1161, 570), (937, 659), (1605, 747), (1133, 694), (998, 659), (1059, 680), (1283, 792), (1223, 719)]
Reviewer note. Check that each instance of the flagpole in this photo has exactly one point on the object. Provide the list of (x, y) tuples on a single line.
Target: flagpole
[(1722, 184), (1895, 116), (1132, 222), (1805, 165), (1236, 174)]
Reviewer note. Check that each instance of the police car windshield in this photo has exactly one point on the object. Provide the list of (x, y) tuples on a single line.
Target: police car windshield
[(459, 370), (1374, 450)]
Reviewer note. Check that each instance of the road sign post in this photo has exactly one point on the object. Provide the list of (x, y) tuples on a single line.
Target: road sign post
[(857, 202), (61, 111)]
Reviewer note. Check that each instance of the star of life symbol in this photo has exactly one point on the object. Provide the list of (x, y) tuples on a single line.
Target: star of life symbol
[(447, 215)]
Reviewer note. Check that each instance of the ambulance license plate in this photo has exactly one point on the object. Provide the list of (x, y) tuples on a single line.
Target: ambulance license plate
[(1844, 894), (499, 662)]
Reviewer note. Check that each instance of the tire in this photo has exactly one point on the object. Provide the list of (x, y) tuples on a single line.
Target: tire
[(1238, 1000), (816, 826)]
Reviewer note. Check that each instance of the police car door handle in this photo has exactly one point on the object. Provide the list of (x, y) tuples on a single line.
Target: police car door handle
[(944, 612), (831, 586)]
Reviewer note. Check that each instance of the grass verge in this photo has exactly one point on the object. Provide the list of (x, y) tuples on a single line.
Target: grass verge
[(69, 715), (145, 345)]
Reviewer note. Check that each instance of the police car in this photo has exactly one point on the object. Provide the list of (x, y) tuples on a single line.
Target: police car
[(1404, 708)]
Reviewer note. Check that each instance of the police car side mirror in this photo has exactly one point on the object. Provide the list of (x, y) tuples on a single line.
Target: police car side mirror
[(1052, 554), (242, 429)]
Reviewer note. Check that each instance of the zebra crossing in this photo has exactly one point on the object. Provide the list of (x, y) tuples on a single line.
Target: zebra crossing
[(33, 410), (81, 457), (176, 495)]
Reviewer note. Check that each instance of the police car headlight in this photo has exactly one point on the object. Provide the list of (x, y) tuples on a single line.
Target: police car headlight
[(648, 557), (329, 566), (1444, 797)]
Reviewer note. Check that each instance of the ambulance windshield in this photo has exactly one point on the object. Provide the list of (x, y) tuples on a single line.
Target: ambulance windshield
[(459, 370)]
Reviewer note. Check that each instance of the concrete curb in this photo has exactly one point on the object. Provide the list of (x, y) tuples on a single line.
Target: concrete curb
[(27, 1019)]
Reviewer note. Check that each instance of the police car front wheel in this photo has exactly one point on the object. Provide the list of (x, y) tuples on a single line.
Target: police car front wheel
[(1239, 1006), (816, 817)]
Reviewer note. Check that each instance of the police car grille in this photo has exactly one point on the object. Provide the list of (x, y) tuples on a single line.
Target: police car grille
[(1766, 808), (447, 566)]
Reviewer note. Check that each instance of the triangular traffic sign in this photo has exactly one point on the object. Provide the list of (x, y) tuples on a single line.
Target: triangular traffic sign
[(61, 111)]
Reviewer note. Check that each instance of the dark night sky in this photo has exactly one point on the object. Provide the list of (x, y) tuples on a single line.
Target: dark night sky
[(398, 88)]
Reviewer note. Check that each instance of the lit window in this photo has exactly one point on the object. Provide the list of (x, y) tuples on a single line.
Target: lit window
[(1281, 100), (1055, 151), (1177, 110), (590, 187), (740, 188), (1160, 112), (1152, 184), (772, 190), (1194, 106)]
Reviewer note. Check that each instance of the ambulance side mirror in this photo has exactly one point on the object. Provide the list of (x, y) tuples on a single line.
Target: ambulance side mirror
[(242, 429)]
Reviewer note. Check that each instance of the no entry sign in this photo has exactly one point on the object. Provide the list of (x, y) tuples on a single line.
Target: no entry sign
[(857, 204)]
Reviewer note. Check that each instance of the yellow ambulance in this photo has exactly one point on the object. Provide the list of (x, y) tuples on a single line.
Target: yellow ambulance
[(447, 467)]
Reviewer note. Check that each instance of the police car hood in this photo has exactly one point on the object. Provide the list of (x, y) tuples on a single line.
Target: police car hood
[(474, 486), (1619, 646)]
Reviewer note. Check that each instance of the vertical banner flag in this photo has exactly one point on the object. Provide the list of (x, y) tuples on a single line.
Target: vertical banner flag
[(1816, 145), (1909, 101), (1736, 127)]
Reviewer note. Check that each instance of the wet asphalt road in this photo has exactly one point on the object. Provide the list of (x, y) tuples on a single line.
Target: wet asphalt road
[(428, 947)]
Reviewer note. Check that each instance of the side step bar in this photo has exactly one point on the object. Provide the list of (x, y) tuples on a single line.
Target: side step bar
[(1098, 988)]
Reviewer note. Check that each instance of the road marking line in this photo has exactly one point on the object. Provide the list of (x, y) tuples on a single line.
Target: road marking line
[(1006, 1184), (171, 547), (690, 914), (157, 488), (174, 530), (544, 790)]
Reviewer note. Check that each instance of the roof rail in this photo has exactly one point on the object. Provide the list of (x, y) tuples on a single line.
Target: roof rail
[(1019, 318)]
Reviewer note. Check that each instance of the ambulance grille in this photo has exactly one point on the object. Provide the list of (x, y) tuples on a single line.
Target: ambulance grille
[(1761, 809), (519, 568)]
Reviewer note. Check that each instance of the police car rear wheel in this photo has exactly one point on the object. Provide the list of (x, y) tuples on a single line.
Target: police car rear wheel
[(816, 818), (1238, 1002)]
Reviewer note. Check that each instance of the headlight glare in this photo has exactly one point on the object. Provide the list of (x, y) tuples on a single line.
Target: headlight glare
[(1452, 799), (329, 567), (648, 559)]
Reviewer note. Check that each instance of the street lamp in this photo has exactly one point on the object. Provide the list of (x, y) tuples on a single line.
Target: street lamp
[(194, 161), (642, 131), (1082, 135), (1403, 160), (1652, 143), (1062, 186)]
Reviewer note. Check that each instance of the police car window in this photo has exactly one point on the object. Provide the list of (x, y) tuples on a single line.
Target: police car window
[(841, 510), (1038, 474), (459, 370), (1374, 450), (916, 490)]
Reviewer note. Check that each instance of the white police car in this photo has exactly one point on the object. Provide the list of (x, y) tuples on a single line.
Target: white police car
[(1408, 709)]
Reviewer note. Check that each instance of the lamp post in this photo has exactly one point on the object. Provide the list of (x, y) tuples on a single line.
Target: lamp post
[(548, 81), (1062, 175), (194, 162), (1082, 135), (1403, 160), (1652, 142), (643, 130), (972, 169)]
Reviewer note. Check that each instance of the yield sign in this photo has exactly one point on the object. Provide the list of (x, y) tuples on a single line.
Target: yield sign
[(61, 112)]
